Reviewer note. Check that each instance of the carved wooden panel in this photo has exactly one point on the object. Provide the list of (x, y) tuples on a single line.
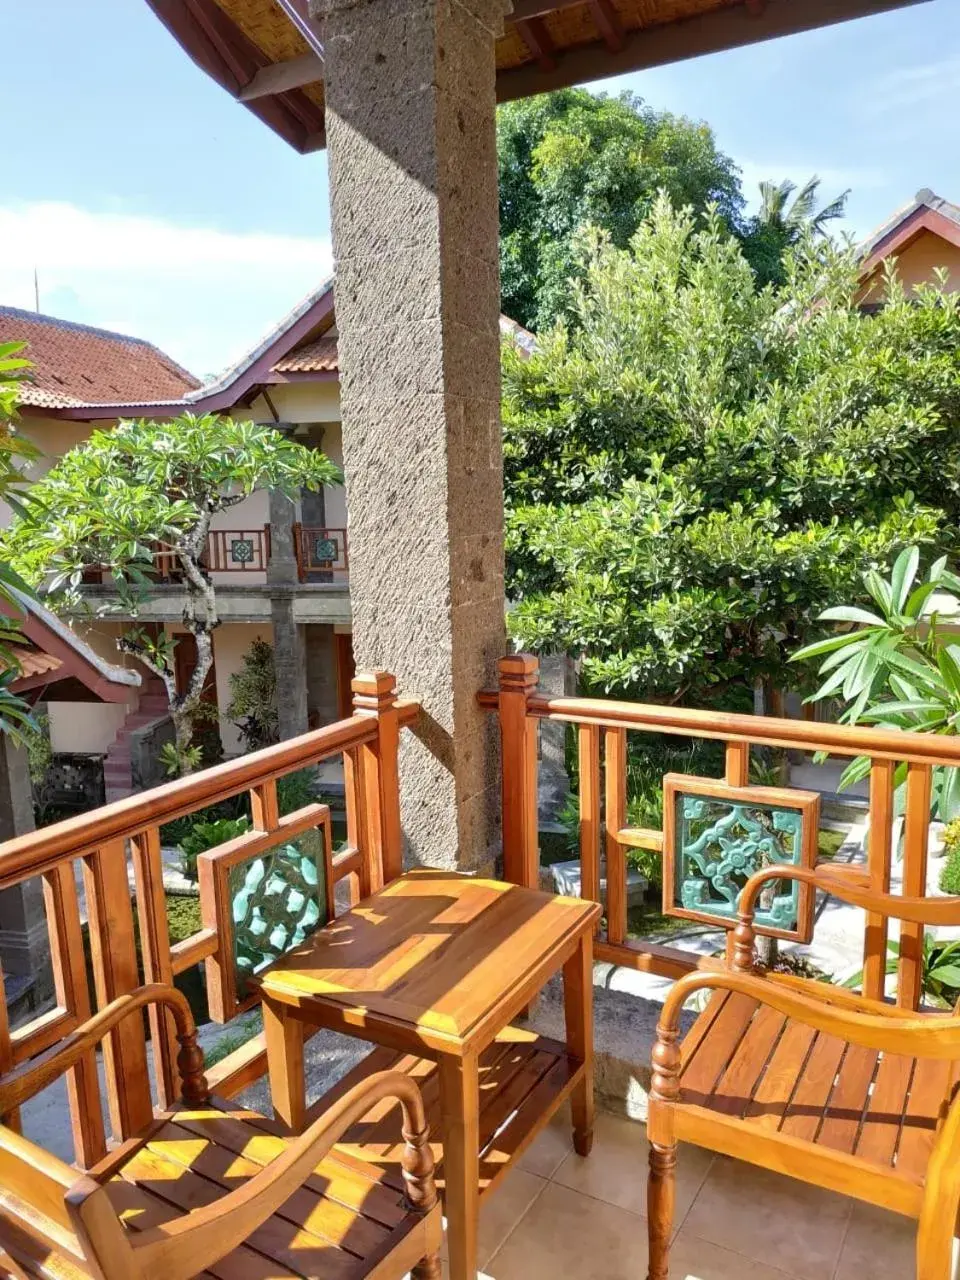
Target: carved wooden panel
[(716, 836)]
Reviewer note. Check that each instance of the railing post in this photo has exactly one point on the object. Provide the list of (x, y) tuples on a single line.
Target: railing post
[(375, 694), (519, 676), (915, 836), (879, 859)]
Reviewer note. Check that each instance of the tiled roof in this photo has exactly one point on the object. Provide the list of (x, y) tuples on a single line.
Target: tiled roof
[(34, 662), (924, 199), (76, 365), (319, 356)]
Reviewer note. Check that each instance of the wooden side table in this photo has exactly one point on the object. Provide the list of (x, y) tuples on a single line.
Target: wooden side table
[(438, 965)]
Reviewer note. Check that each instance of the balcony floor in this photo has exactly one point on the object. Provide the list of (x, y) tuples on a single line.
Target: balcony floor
[(559, 1216)]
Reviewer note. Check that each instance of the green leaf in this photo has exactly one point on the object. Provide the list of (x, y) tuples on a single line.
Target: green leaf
[(903, 575), (849, 613)]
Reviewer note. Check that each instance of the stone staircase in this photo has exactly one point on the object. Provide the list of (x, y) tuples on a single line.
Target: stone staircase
[(117, 774)]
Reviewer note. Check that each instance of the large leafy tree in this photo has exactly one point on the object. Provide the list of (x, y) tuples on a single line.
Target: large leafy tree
[(572, 159), (696, 466), (110, 502)]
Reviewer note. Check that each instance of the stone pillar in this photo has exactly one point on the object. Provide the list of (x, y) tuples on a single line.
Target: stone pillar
[(289, 647), (24, 941), (410, 112)]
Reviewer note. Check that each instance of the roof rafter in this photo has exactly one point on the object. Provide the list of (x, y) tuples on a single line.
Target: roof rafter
[(282, 76), (608, 24), (651, 46), (534, 34)]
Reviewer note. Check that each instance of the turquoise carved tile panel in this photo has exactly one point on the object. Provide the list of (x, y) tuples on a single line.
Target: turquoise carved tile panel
[(277, 900), (716, 837)]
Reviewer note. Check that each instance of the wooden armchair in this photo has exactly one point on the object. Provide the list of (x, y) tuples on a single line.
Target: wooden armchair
[(813, 1081), (212, 1189)]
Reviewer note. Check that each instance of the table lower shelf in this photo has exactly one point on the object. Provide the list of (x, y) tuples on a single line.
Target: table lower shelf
[(523, 1080)]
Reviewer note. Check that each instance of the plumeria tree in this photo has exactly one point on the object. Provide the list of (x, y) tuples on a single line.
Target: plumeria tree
[(116, 498), (15, 451)]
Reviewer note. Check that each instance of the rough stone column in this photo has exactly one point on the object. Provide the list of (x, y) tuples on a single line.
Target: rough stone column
[(24, 940), (289, 647), (410, 114)]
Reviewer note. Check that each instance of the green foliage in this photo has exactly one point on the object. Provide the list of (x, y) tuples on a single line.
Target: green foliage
[(783, 222), (939, 972), (950, 874), (697, 466), (207, 835), (110, 501), (296, 790), (14, 453), (572, 159), (107, 501), (893, 665), (253, 697), (951, 836), (177, 760)]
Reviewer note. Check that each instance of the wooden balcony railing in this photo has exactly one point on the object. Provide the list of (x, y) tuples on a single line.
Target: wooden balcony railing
[(227, 551), (128, 940), (322, 554), (698, 884)]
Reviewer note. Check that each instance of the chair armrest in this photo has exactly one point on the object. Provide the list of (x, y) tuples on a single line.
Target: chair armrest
[(17, 1086), (920, 1036), (193, 1243), (933, 911)]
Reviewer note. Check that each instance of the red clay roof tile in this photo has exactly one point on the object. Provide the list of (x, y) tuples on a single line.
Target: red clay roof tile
[(76, 365)]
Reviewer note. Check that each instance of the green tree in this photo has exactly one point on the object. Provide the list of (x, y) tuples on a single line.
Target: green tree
[(253, 697), (782, 222), (15, 451), (697, 466), (109, 501), (572, 159)]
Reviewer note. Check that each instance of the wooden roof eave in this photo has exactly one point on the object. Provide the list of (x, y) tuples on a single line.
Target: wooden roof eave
[(273, 89)]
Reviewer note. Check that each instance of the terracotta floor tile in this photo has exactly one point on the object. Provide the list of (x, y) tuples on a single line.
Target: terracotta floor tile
[(878, 1244), (616, 1170), (772, 1219)]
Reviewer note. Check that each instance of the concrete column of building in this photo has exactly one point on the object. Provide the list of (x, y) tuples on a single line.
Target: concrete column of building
[(24, 940), (410, 110), (289, 646)]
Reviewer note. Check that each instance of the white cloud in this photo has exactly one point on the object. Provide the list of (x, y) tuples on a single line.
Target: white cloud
[(202, 294), (833, 179), (908, 88)]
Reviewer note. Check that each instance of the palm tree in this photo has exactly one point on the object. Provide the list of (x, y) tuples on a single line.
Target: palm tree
[(792, 218)]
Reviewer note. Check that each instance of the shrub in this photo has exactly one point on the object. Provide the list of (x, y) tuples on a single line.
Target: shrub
[(950, 875), (253, 698), (207, 835)]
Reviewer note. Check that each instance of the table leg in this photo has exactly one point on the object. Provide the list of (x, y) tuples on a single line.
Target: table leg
[(578, 1016), (459, 1109), (284, 1036)]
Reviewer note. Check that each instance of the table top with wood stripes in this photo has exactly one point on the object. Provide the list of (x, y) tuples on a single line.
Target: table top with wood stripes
[(435, 955)]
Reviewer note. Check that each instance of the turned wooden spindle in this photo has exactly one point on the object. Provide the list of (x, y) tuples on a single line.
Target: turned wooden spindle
[(661, 1198), (665, 1084), (194, 1088), (420, 1188), (744, 938)]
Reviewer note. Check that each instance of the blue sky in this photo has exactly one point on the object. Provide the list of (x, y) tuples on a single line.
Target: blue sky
[(151, 203)]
